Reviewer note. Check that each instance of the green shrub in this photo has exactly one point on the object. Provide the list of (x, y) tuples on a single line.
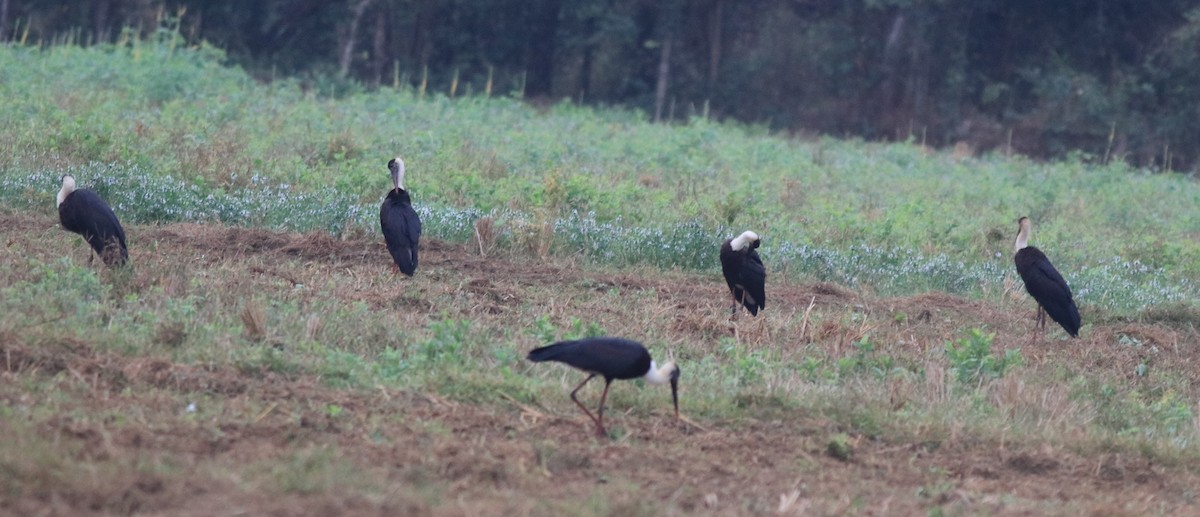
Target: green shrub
[(972, 360)]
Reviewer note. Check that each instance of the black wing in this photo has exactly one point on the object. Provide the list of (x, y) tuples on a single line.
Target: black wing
[(754, 280), (746, 276), (85, 213), (1046, 285), (615, 358), (401, 228)]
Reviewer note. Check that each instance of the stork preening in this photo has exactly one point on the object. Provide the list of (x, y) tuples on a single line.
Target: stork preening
[(744, 272), (1044, 283), (611, 358), (400, 224), (82, 211)]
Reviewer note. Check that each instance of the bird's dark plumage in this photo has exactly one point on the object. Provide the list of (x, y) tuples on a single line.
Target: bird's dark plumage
[(744, 272), (611, 358), (400, 224), (84, 212), (1044, 283), (1048, 287)]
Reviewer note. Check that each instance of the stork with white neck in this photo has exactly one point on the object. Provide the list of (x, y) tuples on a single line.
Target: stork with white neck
[(611, 358), (1044, 283), (744, 272), (400, 224), (82, 211)]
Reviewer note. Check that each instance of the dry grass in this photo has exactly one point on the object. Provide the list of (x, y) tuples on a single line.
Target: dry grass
[(116, 407)]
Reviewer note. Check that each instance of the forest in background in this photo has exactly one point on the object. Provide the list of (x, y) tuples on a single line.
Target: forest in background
[(1102, 81)]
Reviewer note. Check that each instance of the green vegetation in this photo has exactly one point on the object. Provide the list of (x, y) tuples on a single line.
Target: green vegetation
[(972, 359), (167, 134), (198, 340), (1046, 79)]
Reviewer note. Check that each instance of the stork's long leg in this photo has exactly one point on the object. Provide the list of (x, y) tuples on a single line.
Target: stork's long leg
[(599, 426), (1039, 324), (600, 423)]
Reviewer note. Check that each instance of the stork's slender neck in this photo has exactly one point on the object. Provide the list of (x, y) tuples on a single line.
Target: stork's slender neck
[(68, 187), (741, 241), (658, 375), (397, 168), (1022, 241)]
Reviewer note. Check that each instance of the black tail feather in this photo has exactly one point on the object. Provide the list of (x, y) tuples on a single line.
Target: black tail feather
[(547, 353), (1067, 315)]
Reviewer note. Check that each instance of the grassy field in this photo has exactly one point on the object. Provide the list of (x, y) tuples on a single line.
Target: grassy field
[(260, 357)]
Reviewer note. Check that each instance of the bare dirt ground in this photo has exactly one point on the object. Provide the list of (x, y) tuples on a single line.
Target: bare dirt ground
[(405, 453)]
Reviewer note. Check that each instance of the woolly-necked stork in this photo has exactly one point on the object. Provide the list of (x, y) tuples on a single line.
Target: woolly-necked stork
[(744, 272), (611, 358), (400, 224), (1044, 283), (82, 211)]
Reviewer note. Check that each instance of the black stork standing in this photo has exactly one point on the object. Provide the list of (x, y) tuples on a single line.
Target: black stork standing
[(1044, 283), (744, 272), (612, 358), (82, 211), (400, 224)]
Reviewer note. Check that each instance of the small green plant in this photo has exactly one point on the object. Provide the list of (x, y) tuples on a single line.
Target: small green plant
[(866, 360), (343, 369), (544, 330), (972, 361), (449, 336), (547, 332), (333, 410), (746, 366), (839, 447), (390, 364)]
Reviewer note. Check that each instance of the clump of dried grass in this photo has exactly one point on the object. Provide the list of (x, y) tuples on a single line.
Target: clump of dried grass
[(486, 234), (254, 318)]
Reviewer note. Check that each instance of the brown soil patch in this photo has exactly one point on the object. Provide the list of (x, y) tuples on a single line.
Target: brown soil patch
[(415, 453)]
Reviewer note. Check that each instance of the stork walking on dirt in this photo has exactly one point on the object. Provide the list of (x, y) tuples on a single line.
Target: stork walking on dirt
[(611, 358)]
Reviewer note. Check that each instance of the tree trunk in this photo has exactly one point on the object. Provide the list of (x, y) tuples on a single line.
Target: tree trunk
[(3, 21), (714, 43), (380, 57), (585, 72), (585, 64), (664, 70), (543, 39), (351, 38), (100, 16)]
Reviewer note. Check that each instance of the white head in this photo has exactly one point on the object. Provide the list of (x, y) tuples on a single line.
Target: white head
[(669, 373), (68, 187), (1023, 228), (396, 165), (746, 238)]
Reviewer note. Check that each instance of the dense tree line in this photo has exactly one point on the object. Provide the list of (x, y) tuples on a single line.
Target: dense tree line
[(1112, 79)]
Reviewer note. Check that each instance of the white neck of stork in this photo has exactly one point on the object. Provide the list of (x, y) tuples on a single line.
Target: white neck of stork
[(68, 187), (743, 240), (397, 168), (1022, 241), (668, 374), (658, 375)]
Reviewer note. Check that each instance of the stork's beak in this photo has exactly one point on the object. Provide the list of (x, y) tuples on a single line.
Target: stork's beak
[(675, 391)]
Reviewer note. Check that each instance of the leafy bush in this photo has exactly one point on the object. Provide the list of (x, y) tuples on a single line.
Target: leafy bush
[(972, 360)]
